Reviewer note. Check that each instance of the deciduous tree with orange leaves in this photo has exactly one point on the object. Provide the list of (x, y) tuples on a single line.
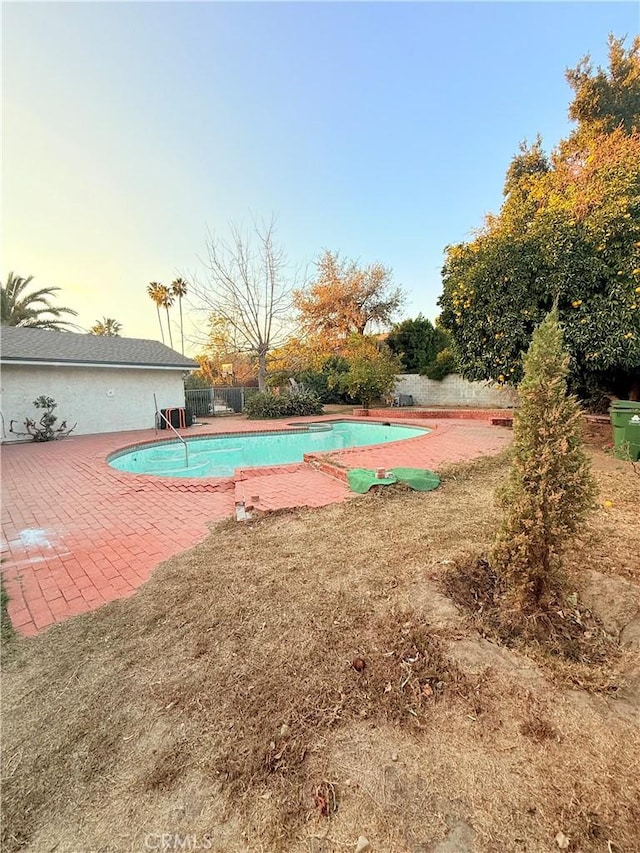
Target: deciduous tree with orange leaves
[(346, 298)]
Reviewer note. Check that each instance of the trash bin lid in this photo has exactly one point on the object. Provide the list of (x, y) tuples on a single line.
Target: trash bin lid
[(624, 405)]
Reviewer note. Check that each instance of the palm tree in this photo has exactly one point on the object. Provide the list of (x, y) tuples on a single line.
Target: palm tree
[(155, 292), (107, 327), (166, 300), (31, 310), (179, 289)]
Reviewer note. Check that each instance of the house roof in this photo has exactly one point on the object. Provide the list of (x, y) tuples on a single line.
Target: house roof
[(42, 346)]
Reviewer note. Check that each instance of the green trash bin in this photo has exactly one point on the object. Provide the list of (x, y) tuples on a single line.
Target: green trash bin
[(632, 435), (625, 419)]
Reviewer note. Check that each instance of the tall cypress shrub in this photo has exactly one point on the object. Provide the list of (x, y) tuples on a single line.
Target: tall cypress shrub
[(550, 489)]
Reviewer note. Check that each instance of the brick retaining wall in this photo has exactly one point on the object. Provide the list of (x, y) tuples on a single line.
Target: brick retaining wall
[(424, 414)]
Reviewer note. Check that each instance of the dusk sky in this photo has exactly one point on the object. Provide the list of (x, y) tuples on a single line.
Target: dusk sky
[(380, 130)]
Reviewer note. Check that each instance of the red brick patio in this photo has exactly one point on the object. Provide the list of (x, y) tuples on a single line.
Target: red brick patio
[(78, 533)]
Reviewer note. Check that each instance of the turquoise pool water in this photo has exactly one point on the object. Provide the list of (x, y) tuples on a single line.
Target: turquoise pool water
[(213, 456)]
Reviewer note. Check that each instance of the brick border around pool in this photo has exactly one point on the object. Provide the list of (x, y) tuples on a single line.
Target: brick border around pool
[(78, 533)]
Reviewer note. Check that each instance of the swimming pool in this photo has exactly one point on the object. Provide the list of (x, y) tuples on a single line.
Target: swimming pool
[(219, 456)]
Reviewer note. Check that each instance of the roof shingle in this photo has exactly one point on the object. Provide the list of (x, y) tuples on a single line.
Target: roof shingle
[(43, 345)]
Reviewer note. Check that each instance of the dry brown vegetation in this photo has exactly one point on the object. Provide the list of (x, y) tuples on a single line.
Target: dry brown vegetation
[(221, 702)]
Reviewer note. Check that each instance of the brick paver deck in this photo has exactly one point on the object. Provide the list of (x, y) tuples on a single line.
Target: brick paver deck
[(78, 533)]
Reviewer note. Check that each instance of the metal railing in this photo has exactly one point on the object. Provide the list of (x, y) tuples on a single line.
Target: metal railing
[(171, 427)]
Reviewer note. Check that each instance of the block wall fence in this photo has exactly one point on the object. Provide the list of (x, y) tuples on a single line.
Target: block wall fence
[(453, 390)]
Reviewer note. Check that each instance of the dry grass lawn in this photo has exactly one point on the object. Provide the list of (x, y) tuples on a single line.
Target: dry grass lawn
[(219, 706)]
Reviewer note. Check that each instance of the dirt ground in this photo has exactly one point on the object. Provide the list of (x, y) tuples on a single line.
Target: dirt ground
[(301, 681)]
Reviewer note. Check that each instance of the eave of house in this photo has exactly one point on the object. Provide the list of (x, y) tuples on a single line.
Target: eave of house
[(42, 363)]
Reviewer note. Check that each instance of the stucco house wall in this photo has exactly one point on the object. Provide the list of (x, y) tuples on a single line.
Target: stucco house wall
[(100, 399), (453, 390)]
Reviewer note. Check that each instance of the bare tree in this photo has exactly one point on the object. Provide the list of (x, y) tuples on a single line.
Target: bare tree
[(249, 285)]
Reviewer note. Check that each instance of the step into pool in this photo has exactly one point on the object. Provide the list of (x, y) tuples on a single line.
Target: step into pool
[(219, 456)]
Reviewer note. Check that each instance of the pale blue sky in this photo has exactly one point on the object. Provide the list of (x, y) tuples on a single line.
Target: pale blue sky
[(382, 130)]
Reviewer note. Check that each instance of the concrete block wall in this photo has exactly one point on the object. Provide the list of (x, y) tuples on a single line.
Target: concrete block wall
[(453, 390)]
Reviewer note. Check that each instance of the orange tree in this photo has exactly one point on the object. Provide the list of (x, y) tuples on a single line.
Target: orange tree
[(568, 232), (372, 370)]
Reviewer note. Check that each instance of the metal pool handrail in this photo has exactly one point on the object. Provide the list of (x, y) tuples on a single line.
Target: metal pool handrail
[(171, 426)]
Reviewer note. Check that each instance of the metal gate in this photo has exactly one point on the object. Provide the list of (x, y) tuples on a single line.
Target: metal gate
[(209, 402)]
